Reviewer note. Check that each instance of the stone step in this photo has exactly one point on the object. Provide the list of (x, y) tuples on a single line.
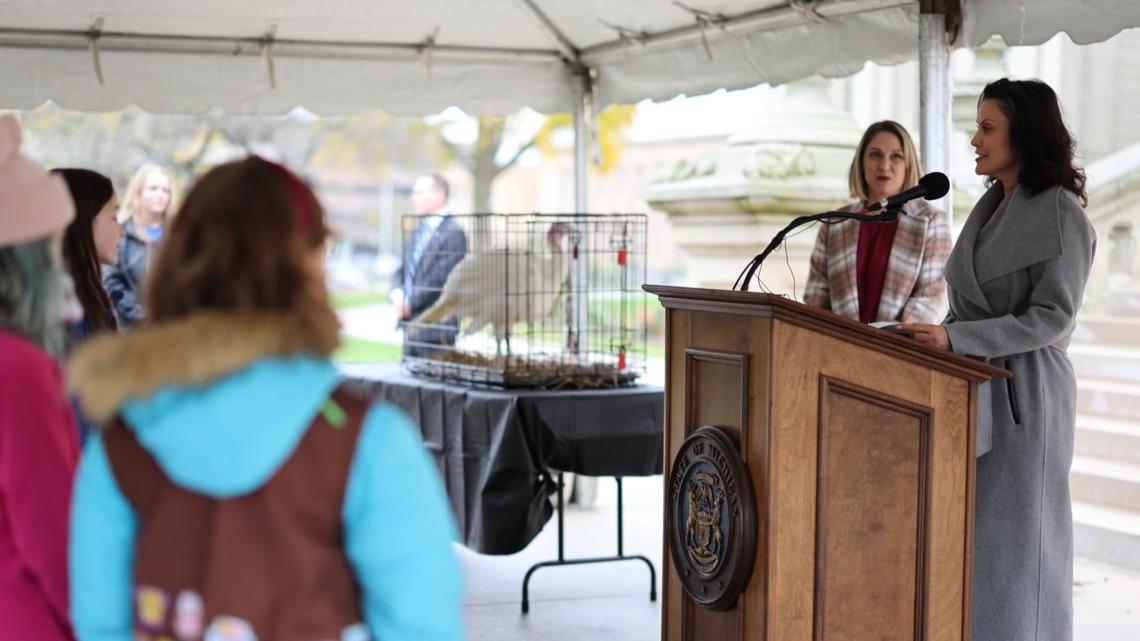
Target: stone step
[(1108, 398), (1109, 362), (1104, 481), (1100, 329), (1108, 438), (1106, 533)]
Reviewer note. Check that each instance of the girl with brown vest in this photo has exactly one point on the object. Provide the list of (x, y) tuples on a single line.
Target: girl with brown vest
[(236, 492)]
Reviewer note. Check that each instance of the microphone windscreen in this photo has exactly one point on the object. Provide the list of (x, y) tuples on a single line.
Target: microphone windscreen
[(936, 184)]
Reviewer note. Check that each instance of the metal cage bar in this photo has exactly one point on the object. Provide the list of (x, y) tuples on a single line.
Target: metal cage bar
[(533, 300)]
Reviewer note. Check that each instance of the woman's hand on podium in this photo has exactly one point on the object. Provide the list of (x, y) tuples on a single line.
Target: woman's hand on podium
[(933, 335)]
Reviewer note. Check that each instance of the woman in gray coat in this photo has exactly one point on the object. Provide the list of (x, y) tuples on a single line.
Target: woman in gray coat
[(1016, 279)]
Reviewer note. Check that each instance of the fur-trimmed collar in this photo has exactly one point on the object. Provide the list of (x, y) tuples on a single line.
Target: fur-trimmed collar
[(112, 369)]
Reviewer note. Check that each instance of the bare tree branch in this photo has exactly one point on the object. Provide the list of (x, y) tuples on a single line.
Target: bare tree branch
[(465, 159), (500, 168)]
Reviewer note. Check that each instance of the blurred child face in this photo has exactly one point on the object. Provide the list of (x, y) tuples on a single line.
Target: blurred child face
[(107, 232)]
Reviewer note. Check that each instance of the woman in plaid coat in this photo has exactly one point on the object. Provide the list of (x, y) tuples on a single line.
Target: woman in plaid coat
[(871, 271)]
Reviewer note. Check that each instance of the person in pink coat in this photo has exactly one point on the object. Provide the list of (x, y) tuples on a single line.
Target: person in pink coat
[(39, 444)]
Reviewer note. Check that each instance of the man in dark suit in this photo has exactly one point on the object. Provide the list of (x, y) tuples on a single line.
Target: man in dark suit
[(433, 248)]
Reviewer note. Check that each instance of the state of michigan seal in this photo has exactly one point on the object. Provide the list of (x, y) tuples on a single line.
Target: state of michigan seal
[(712, 518)]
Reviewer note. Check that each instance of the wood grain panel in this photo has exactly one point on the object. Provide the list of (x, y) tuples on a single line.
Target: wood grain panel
[(676, 338), (717, 384), (797, 357), (873, 477), (711, 625), (971, 477), (873, 370), (717, 390), (796, 360), (947, 539), (753, 605)]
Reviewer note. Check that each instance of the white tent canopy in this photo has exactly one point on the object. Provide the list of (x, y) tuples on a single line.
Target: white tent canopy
[(1032, 22), (492, 56), (485, 56)]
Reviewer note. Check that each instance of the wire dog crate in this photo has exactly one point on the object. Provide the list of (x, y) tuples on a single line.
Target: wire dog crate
[(527, 300)]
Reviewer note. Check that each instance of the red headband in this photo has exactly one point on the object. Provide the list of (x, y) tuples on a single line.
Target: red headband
[(300, 195)]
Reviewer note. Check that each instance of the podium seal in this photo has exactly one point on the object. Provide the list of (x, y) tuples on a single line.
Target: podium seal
[(712, 518)]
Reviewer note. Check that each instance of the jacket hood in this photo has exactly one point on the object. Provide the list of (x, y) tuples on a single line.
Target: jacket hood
[(192, 351), (220, 400)]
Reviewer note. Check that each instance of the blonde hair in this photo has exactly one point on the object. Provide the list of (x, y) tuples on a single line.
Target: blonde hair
[(857, 179), (132, 201)]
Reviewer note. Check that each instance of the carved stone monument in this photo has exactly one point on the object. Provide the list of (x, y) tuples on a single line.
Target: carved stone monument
[(727, 205)]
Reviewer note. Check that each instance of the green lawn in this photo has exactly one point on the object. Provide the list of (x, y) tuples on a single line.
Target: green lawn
[(359, 350), (345, 300)]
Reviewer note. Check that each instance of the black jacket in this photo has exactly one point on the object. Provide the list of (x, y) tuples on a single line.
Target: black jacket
[(124, 280)]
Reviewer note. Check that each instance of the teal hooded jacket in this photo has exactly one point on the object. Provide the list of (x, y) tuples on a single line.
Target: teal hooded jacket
[(227, 439)]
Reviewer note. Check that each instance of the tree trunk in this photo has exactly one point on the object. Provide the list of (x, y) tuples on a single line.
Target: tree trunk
[(484, 177), (486, 148), (483, 174)]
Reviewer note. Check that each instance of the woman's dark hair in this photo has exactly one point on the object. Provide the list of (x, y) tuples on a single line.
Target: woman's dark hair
[(1038, 137), (241, 242), (91, 192)]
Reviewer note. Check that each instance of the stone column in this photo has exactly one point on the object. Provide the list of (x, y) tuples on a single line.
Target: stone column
[(988, 64)]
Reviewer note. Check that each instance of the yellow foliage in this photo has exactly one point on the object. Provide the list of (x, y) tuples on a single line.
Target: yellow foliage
[(612, 124)]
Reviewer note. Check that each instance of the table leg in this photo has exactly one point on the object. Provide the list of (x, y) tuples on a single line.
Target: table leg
[(604, 559)]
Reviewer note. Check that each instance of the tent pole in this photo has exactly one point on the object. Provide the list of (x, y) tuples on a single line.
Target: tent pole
[(583, 114), (582, 117), (935, 96)]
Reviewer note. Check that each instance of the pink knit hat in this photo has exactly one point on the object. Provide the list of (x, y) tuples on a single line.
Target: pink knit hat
[(33, 203)]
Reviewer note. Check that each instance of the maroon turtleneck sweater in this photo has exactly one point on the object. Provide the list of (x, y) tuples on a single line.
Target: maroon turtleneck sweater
[(871, 260)]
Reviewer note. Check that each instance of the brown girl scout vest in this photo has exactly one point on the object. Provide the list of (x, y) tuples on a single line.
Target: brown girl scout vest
[(267, 566)]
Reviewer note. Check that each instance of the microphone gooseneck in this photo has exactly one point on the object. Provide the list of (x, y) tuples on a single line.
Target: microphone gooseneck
[(932, 186)]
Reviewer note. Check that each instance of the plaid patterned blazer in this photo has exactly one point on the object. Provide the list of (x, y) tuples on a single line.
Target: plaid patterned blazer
[(914, 290)]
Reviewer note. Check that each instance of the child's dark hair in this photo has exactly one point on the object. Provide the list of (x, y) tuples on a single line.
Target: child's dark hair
[(91, 192)]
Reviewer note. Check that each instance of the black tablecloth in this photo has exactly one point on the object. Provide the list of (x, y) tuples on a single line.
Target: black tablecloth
[(496, 448)]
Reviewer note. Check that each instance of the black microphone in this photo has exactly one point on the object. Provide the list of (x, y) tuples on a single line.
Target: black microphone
[(932, 186)]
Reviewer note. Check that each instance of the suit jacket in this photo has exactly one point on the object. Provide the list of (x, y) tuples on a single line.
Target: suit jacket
[(913, 291), (448, 246), (1014, 300)]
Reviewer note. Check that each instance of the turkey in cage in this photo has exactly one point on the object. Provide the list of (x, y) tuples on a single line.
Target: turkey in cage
[(505, 291), (540, 301)]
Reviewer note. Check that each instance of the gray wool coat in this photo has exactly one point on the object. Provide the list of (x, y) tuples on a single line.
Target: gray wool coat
[(1016, 279)]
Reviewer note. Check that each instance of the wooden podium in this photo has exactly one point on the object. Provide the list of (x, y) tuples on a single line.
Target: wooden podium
[(859, 445)]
